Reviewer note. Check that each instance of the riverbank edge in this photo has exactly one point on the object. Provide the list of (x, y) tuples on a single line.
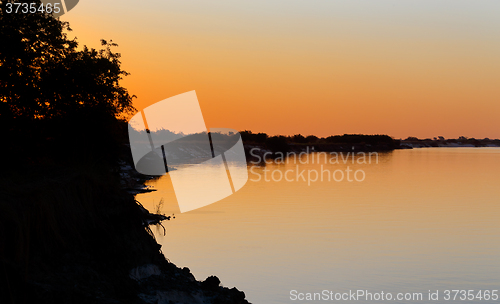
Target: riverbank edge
[(74, 233), (153, 278)]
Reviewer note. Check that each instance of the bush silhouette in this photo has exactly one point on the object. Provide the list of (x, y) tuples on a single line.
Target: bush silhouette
[(55, 96)]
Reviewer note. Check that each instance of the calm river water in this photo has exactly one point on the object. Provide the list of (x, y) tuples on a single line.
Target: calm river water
[(413, 221)]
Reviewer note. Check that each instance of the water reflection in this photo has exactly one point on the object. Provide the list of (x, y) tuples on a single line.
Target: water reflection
[(421, 219)]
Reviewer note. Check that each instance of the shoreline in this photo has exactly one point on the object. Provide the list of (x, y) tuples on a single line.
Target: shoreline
[(154, 277), (77, 235)]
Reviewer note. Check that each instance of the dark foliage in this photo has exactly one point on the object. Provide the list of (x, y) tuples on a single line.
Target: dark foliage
[(312, 139), (359, 138), (57, 100), (298, 138), (69, 233), (277, 144), (248, 137)]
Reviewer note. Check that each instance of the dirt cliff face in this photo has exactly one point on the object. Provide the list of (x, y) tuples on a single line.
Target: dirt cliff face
[(73, 235)]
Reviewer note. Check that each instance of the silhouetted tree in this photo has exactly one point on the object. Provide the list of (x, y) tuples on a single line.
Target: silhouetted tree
[(43, 75), (248, 137), (298, 138), (277, 144), (51, 93), (411, 138), (312, 139)]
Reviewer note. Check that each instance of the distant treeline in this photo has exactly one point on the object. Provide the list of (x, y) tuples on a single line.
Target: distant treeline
[(281, 143), (440, 141)]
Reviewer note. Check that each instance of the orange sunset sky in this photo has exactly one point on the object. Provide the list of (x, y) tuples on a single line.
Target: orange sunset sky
[(403, 68)]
